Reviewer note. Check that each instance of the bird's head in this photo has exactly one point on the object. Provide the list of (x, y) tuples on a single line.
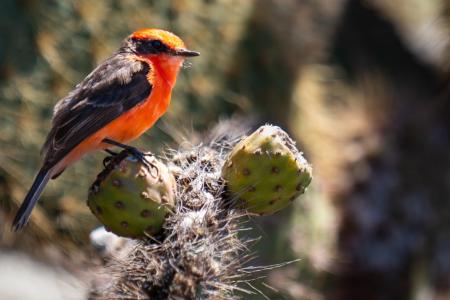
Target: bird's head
[(160, 47)]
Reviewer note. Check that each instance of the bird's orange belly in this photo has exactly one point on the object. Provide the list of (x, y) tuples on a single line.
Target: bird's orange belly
[(125, 128)]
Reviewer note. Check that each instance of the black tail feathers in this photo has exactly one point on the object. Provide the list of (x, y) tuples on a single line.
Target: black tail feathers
[(30, 200)]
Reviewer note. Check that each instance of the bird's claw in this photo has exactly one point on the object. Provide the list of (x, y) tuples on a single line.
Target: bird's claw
[(144, 159), (107, 160), (130, 151)]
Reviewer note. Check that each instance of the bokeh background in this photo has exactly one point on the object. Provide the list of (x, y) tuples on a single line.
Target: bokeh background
[(363, 86)]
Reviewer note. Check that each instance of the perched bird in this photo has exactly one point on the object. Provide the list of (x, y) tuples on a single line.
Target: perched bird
[(116, 103)]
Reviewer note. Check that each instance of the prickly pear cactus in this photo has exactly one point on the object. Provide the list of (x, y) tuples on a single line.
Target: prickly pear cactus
[(265, 171), (132, 200)]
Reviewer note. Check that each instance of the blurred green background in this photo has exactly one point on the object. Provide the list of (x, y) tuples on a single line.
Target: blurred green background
[(363, 86)]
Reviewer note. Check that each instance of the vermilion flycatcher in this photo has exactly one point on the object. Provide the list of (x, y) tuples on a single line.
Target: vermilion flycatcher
[(116, 103)]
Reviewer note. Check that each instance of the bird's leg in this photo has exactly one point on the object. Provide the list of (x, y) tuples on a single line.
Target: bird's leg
[(110, 152), (133, 151)]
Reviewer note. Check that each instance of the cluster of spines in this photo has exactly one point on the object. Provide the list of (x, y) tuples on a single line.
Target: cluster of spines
[(201, 255), (200, 251)]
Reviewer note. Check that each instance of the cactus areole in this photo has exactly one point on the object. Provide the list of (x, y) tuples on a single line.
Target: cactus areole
[(265, 171), (132, 200)]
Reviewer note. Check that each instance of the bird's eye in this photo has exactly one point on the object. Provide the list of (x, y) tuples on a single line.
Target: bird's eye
[(144, 46), (157, 45)]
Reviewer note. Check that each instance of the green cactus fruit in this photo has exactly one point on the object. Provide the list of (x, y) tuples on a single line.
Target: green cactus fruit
[(132, 200), (265, 171)]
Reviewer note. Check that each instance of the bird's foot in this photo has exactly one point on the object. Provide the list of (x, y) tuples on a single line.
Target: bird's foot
[(145, 158)]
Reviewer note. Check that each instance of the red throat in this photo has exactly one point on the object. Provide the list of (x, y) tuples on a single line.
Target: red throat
[(167, 67)]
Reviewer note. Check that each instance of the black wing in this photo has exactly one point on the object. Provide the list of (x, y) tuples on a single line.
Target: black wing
[(117, 85)]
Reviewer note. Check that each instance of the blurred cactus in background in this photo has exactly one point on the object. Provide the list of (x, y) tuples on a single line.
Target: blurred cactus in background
[(382, 104), (361, 85)]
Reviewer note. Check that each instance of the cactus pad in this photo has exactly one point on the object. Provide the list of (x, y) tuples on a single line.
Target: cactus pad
[(131, 200), (265, 171)]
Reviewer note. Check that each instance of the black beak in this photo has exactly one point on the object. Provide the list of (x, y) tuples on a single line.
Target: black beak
[(186, 53)]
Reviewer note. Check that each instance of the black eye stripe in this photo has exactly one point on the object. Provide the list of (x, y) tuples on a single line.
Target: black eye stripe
[(149, 46)]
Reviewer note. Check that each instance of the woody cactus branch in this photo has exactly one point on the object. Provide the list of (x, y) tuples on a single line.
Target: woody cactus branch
[(189, 246)]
